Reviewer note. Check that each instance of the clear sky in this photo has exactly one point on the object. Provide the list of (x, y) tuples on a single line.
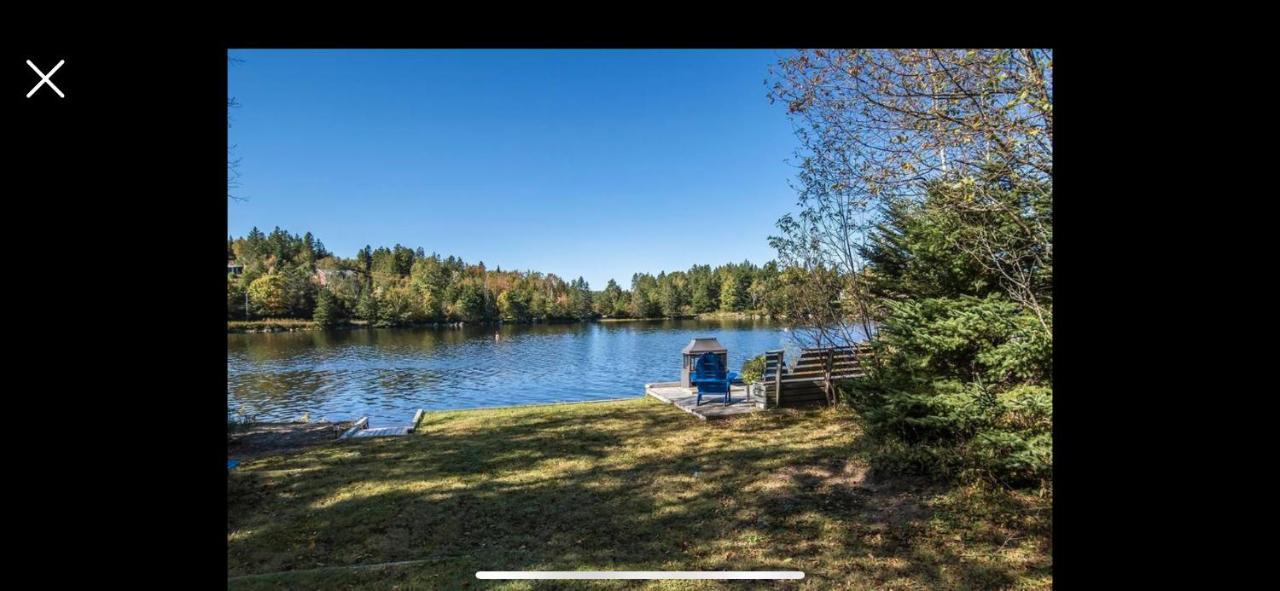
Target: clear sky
[(577, 162)]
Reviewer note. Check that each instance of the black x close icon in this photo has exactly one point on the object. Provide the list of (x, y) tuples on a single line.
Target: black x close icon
[(45, 79)]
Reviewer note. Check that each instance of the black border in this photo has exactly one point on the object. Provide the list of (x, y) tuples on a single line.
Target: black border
[(128, 174)]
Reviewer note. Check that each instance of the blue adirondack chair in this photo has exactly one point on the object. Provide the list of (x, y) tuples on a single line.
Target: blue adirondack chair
[(711, 378)]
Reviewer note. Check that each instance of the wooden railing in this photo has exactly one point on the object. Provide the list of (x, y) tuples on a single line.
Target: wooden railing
[(814, 377)]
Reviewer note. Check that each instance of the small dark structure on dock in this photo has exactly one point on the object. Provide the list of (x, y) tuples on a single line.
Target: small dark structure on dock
[(694, 350), (814, 377)]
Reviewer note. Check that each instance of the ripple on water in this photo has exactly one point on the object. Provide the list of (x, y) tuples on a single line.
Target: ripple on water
[(388, 374)]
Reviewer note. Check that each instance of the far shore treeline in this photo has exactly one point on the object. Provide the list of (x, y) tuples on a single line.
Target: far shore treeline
[(281, 275)]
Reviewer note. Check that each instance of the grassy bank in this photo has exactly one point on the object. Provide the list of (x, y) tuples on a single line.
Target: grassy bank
[(283, 325), (633, 485), (270, 325)]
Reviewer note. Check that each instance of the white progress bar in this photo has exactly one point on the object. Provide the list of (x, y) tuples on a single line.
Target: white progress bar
[(641, 574)]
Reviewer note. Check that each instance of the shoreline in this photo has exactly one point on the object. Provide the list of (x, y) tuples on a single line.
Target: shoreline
[(251, 440), (268, 424)]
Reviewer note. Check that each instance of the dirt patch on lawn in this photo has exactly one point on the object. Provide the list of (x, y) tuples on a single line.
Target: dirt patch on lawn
[(271, 438), (845, 486), (808, 479)]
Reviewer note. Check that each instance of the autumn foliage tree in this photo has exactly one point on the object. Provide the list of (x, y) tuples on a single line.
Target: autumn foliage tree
[(267, 296)]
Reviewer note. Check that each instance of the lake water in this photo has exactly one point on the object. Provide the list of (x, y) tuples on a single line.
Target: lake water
[(387, 374)]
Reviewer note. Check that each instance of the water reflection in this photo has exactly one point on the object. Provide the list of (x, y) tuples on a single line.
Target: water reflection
[(388, 374)]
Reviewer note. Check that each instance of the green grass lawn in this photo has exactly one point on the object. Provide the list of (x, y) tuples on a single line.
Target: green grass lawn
[(633, 485)]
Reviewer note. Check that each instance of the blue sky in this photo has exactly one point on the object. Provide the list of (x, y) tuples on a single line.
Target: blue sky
[(591, 163)]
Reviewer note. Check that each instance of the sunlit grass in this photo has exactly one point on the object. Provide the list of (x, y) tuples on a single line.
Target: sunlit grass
[(632, 485)]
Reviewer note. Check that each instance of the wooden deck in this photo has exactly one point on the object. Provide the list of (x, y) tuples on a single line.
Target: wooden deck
[(711, 408), (383, 432), (361, 428)]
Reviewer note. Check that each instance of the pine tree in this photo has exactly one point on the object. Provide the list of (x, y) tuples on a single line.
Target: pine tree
[(963, 374), (328, 309), (367, 306), (733, 294)]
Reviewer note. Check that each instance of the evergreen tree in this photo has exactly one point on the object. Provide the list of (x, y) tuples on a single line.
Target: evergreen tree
[(607, 303), (308, 251), (644, 297), (733, 294), (328, 310), (402, 260), (580, 299), (704, 291), (235, 299), (367, 306), (365, 259), (300, 291), (671, 298), (963, 372), (469, 304)]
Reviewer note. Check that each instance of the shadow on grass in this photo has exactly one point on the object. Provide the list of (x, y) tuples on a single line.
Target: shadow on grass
[(625, 486)]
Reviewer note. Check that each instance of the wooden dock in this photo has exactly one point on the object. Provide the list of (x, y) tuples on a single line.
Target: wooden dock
[(712, 407), (361, 428)]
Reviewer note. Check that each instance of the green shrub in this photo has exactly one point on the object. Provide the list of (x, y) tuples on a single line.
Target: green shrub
[(399, 306), (753, 369), (959, 386)]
